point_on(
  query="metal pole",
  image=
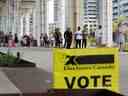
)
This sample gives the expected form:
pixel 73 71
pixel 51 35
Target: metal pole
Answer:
pixel 75 15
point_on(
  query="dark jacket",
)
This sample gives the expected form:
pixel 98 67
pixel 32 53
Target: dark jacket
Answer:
pixel 68 35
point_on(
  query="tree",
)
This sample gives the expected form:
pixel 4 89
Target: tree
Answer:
pixel 85 28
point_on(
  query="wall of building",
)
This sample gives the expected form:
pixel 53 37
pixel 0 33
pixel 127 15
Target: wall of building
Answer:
pixel 91 13
pixel 10 18
pixel 16 15
pixel 120 8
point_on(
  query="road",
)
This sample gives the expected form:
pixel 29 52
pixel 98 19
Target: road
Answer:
pixel 43 58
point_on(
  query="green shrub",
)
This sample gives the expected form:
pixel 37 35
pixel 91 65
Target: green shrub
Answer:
pixel 7 59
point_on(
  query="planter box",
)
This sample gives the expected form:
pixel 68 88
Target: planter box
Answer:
pixel 18 63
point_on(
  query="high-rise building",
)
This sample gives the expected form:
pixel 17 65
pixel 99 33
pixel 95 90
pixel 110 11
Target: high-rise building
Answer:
pixel 120 8
pixel 91 13
pixel 99 12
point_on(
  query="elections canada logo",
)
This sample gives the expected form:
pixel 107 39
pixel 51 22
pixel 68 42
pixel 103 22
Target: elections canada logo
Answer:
pixel 80 62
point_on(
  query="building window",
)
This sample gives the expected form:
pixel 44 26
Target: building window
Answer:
pixel 90 25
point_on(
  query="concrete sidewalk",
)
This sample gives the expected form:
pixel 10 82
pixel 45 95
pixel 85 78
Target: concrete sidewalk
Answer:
pixel 22 81
pixel 6 86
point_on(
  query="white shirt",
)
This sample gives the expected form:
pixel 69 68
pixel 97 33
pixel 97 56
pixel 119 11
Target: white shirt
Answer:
pixel 51 37
pixel 121 38
pixel 78 35
pixel 98 33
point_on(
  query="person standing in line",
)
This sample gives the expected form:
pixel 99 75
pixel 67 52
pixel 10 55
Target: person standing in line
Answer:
pixel 26 40
pixel 31 39
pixel 1 39
pixel 78 38
pixel 121 41
pixel 46 41
pixel 84 34
pixel 65 38
pixel 41 40
pixel 121 37
pixel 10 39
pixel 68 38
pixel 6 40
pixel 58 37
pixel 51 40
pixel 16 40
pixel 99 36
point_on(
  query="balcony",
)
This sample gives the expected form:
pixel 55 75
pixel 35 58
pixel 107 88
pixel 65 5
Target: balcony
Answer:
pixel 123 2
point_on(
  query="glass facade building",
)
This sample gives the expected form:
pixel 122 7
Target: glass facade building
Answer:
pixel 120 8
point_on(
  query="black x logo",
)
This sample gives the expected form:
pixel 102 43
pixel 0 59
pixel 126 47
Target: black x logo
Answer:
pixel 71 60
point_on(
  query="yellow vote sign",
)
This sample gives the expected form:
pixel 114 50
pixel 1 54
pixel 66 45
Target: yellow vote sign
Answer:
pixel 86 68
